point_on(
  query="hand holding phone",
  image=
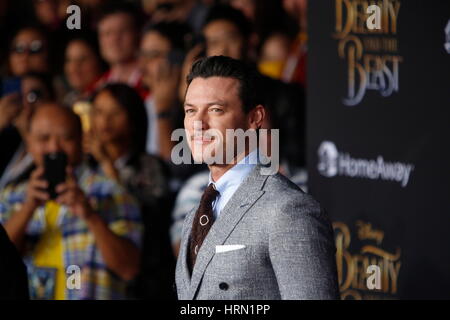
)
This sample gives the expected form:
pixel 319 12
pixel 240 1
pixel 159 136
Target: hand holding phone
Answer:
pixel 70 194
pixel 36 190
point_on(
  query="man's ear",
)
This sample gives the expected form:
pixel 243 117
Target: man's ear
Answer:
pixel 256 117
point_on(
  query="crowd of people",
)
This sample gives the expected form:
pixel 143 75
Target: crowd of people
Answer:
pixel 109 95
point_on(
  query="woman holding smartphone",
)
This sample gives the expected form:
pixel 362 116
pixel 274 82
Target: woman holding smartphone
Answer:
pixel 117 142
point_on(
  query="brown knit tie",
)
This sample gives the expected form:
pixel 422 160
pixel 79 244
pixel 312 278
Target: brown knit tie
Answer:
pixel 203 221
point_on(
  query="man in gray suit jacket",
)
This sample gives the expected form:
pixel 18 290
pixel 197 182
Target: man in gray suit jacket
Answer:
pixel 254 236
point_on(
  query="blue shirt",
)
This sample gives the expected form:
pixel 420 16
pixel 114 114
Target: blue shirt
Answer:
pixel 231 180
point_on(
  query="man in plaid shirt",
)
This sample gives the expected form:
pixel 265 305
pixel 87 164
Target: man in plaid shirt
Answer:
pixel 84 244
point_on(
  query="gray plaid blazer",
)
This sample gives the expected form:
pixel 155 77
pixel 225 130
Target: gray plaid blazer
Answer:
pixel 271 241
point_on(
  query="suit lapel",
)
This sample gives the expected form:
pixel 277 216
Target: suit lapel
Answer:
pixel 185 274
pixel 241 201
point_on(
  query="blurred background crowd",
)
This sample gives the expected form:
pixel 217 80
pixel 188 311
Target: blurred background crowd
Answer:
pixel 123 73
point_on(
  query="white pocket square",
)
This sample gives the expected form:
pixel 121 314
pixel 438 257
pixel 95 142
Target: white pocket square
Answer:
pixel 229 247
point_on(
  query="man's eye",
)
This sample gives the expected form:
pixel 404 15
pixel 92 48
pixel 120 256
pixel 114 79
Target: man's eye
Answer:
pixel 188 110
pixel 216 110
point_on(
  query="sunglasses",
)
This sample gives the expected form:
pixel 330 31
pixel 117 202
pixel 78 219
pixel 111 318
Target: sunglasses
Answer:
pixel 35 47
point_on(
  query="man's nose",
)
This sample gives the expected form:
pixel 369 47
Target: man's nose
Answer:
pixel 200 121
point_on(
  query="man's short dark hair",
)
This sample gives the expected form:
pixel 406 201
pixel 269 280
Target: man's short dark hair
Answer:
pixel 230 14
pixel 226 67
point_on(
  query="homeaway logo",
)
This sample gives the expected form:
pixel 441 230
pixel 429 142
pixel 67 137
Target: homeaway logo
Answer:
pixel 447 37
pixel 335 163
pixel 328 156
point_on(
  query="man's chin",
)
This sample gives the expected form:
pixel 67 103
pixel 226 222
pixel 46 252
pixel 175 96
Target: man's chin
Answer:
pixel 200 158
pixel 207 159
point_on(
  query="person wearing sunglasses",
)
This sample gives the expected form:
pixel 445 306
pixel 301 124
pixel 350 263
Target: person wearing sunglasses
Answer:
pixel 28 52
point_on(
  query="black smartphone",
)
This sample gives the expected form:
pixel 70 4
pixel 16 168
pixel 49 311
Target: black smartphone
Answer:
pixel 54 171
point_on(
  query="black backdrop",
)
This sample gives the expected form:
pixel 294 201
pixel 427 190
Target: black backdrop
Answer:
pixel 363 143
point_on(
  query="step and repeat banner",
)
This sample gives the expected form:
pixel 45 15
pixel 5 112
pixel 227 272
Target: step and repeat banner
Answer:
pixel 379 142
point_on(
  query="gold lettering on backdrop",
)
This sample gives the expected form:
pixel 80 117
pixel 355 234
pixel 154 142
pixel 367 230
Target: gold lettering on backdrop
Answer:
pixel 371 55
pixel 366 232
pixel 352 266
pixel 351 17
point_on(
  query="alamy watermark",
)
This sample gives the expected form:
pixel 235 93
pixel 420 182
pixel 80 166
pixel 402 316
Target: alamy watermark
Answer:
pixel 73 281
pixel 373 22
pixel 373 281
pixel 211 147
pixel 74 20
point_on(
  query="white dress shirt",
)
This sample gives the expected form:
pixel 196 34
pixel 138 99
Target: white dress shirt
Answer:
pixel 231 180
